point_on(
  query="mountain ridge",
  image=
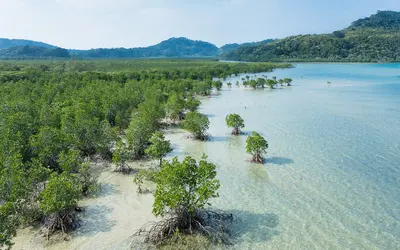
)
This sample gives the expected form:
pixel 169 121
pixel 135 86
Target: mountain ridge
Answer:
pixel 371 39
pixel 6 43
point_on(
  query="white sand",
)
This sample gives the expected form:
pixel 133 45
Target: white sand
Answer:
pixel 108 222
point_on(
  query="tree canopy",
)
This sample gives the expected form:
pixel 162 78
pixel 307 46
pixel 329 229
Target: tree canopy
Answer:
pixel 234 121
pixel 197 124
pixel 257 146
pixel 182 196
pixel 184 186
pixel 159 147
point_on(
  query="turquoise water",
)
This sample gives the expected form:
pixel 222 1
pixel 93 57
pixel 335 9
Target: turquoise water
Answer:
pixel 332 176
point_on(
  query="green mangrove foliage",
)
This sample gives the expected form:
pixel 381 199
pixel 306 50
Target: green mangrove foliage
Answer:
pixel 234 121
pixel 159 147
pixel 256 145
pixel 183 192
pixel 217 85
pixel 272 83
pixel 197 124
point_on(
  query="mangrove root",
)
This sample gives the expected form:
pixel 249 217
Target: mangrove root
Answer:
pixel 61 222
pixel 123 168
pixel 212 224
pixel 257 159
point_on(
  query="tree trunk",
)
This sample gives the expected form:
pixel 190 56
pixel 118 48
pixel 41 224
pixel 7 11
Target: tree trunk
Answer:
pixel 258 158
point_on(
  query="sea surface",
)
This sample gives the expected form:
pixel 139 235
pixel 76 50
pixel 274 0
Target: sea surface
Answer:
pixel 332 174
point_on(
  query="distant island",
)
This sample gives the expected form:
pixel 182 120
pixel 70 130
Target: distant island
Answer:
pixel 372 39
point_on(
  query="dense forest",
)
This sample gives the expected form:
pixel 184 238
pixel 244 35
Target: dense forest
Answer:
pixel 57 115
pixel 371 39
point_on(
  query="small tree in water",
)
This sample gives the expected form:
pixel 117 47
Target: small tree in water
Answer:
pixel 288 81
pixel 236 122
pixel 257 146
pixel 197 124
pixel 159 146
pixel 183 191
pixel 217 85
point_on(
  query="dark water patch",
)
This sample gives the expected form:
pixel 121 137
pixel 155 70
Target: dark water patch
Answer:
pixel 258 227
pixel 219 138
pixel 95 220
pixel 107 189
pixel 279 160
pixel 210 115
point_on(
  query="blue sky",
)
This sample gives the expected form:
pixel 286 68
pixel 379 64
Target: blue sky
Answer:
pixel 84 24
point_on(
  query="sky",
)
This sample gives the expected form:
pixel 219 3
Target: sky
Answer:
pixel 85 24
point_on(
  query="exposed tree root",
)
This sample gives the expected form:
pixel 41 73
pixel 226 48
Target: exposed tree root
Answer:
pixel 257 158
pixel 237 131
pixel 212 224
pixel 204 137
pixel 123 168
pixel 61 222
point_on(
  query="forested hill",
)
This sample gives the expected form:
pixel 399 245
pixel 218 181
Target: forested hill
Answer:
pixel 33 52
pixel 232 46
pixel 372 39
pixel 173 47
pixel 8 43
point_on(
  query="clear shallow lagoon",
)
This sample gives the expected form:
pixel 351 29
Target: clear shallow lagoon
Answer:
pixel 332 177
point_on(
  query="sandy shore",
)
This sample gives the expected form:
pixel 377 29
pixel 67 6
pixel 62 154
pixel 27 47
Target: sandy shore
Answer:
pixel 109 220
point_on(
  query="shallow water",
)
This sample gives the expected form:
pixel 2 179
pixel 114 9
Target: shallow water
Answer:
pixel 332 177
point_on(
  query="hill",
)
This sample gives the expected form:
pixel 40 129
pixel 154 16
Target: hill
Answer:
pixel 33 52
pixel 232 46
pixel 372 39
pixel 8 43
pixel 173 47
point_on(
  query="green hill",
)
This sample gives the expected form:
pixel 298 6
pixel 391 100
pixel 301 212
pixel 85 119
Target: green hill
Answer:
pixel 8 43
pixel 232 46
pixel 372 39
pixel 33 52
pixel 173 47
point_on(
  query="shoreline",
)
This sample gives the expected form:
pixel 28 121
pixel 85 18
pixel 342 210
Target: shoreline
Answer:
pixel 108 221
pixel 111 217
